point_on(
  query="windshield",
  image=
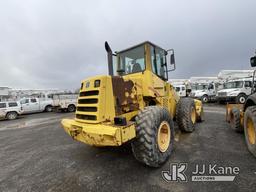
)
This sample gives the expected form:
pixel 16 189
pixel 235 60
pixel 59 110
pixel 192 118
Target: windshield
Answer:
pixel 234 84
pixel 130 61
pixel 177 89
pixel 199 86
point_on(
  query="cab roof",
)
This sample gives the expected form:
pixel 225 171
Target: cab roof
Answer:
pixel 143 43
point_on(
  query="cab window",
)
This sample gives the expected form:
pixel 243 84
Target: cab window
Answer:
pixel 131 61
pixel 24 101
pixel 12 104
pixel 2 105
pixel 158 62
pixel 248 84
pixel 177 89
pixel 33 100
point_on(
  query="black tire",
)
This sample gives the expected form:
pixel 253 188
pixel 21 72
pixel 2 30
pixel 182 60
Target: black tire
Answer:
pixel 145 146
pixel 241 98
pixel 235 120
pixel 184 109
pixel 71 108
pixel 205 99
pixel 250 116
pixel 48 108
pixel 201 117
pixel 12 115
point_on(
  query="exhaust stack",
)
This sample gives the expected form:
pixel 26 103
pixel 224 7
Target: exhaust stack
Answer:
pixel 110 58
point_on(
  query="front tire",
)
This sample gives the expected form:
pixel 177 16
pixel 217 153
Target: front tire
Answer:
pixel 205 99
pixel 186 114
pixel 154 136
pixel 250 129
pixel 241 98
pixel 12 115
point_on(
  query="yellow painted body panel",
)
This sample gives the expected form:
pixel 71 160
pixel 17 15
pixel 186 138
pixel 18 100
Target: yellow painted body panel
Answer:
pixel 99 134
pixel 97 107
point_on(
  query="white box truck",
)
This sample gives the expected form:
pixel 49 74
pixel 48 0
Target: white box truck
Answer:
pixel 237 85
pixel 204 88
pixel 65 102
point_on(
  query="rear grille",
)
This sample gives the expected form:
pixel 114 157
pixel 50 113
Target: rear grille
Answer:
pixel 86 117
pixel 89 93
pixel 87 105
pixel 87 109
pixel 87 101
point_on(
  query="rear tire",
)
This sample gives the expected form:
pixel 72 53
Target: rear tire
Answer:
pixel 12 115
pixel 71 108
pixel 48 108
pixel 235 120
pixel 186 114
pixel 250 129
pixel 154 136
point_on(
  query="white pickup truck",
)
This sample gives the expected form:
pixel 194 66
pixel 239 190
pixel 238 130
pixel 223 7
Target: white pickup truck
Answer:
pixel 34 105
pixel 65 102
pixel 10 110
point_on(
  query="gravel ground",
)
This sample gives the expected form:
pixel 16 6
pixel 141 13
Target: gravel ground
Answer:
pixel 37 155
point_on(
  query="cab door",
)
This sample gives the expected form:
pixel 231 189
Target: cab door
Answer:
pixel 34 105
pixel 25 105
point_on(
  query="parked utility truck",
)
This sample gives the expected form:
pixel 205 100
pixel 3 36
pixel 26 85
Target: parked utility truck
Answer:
pixel 34 105
pixel 182 86
pixel 237 85
pixel 204 88
pixel 242 117
pixel 134 104
pixel 65 102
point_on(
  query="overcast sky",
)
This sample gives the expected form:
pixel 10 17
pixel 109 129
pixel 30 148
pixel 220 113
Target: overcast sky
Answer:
pixel 57 43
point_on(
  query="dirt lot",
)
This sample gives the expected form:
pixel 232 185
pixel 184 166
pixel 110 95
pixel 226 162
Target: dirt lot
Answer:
pixel 37 155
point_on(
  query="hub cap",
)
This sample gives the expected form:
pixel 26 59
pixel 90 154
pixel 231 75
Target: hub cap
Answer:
pixel 163 136
pixel 250 131
pixel 242 99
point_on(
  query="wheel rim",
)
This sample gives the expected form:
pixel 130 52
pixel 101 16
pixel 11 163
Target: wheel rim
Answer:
pixel 12 116
pixel 193 115
pixel 205 99
pixel 163 136
pixel 241 99
pixel 250 131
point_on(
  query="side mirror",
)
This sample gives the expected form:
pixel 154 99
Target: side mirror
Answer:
pixel 172 60
pixel 253 61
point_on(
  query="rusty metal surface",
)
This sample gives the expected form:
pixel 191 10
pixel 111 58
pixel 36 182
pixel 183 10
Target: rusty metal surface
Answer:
pixel 125 93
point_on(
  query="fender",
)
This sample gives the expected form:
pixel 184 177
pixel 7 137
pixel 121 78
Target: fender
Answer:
pixel 251 100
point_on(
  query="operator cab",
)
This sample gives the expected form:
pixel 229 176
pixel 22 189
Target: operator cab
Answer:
pixel 253 64
pixel 137 59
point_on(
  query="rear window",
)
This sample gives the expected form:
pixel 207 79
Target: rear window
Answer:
pixel 12 104
pixel 2 105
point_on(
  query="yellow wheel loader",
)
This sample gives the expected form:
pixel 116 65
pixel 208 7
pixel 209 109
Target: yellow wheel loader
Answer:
pixel 242 117
pixel 135 104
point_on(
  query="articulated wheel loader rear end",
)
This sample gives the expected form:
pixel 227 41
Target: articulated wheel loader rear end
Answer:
pixel 242 117
pixel 135 104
